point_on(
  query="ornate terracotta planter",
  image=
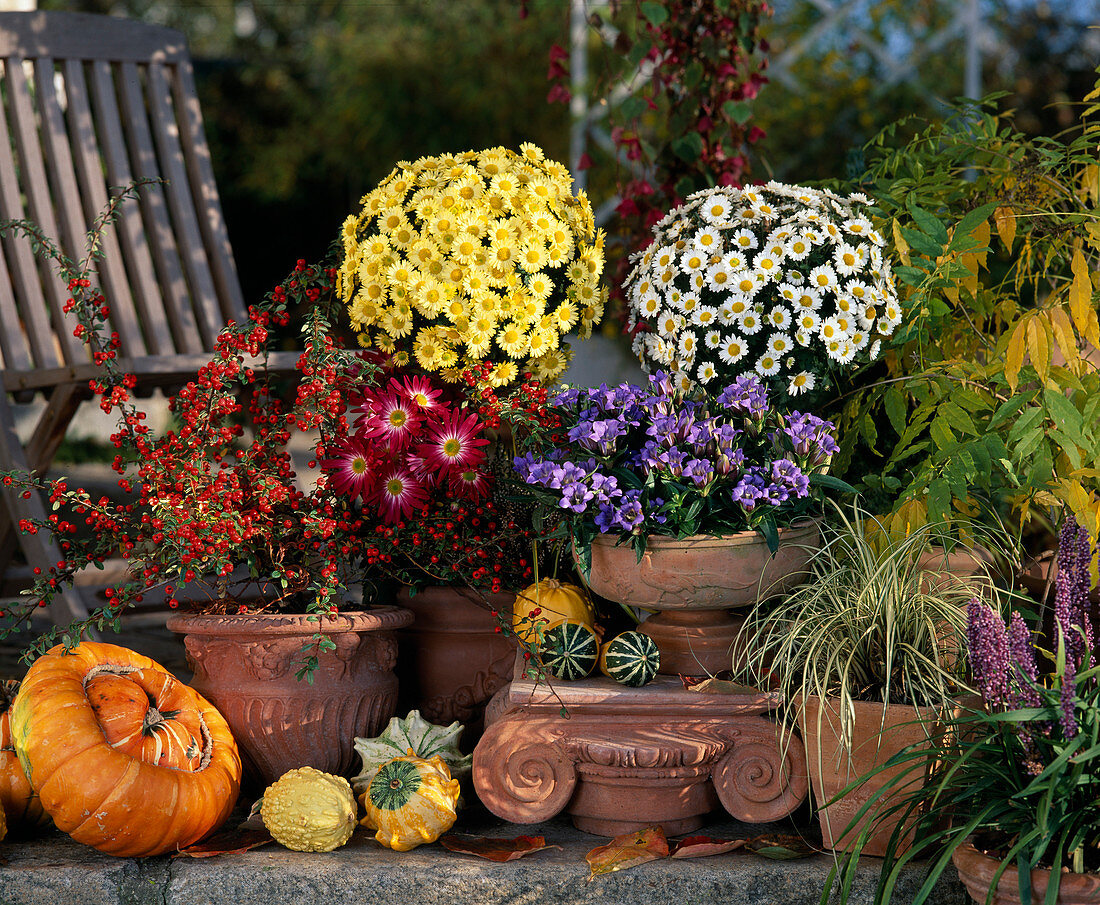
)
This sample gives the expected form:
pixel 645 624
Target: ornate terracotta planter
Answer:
pixel 875 739
pixel 451 659
pixel 246 666
pixel 694 582
pixel 976 870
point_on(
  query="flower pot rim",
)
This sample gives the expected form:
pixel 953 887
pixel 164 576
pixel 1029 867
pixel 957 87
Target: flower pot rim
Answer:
pixel 383 618
pixel 793 532
pixel 1072 888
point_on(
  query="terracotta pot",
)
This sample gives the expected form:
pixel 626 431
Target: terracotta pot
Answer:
pixel 875 739
pixel 451 659
pixel 694 581
pixel 246 665
pixel 976 870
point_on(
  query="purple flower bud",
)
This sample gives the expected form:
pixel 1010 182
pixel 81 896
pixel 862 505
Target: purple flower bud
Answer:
pixel 987 646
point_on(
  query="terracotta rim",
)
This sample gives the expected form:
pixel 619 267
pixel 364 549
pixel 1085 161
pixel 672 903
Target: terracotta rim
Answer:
pixel 791 535
pixel 976 869
pixel 383 618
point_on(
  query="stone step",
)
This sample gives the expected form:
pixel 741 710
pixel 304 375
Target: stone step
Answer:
pixel 54 870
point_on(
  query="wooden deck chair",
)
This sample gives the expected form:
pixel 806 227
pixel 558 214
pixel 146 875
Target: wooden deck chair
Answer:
pixel 92 102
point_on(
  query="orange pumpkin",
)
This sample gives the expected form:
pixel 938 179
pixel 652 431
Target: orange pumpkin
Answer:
pixel 20 804
pixel 124 757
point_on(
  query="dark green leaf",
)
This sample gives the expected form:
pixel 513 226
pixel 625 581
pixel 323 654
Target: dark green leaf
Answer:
pixel 832 482
pixel 921 243
pixel 655 12
pixel 894 403
pixel 688 147
pixel 739 111
pixel 928 224
pixel 633 107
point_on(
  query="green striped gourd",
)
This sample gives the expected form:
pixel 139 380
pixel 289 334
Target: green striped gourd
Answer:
pixel 630 659
pixel 570 650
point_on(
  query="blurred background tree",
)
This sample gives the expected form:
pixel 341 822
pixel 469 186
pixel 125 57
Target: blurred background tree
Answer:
pixel 309 103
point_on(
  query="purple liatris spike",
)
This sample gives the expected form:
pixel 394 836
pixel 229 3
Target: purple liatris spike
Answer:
pixel 987 646
pixel 1071 600
pixel 1068 697
pixel 1025 671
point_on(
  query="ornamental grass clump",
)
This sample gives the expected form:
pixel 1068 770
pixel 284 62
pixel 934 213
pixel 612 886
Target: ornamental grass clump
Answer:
pixel 786 282
pixel 639 461
pixel 1018 776
pixel 475 257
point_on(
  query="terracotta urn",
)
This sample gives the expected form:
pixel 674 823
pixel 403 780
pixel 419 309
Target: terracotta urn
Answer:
pixel 976 870
pixel 693 582
pixel 876 737
pixel 246 666
pixel 451 659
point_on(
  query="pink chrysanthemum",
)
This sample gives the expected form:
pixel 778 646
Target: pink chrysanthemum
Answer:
pixel 453 443
pixel 472 484
pixel 395 421
pixel 419 391
pixel 350 468
pixel 400 494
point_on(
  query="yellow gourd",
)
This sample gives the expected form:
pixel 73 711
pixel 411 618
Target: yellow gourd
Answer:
pixel 556 601
pixel 410 801
pixel 309 811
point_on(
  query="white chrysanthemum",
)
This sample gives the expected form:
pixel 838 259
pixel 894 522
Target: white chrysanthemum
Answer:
pixel 733 350
pixel 831 330
pixel 706 373
pixel 764 211
pixel 698 281
pixel 779 317
pixel 845 304
pixel 876 347
pixel 707 240
pixel 876 238
pixel 712 339
pixel 846 258
pixel 692 261
pixel 704 316
pixel 798 247
pixel 670 323
pixel 846 354
pixel 857 226
pixel 684 383
pixel 823 277
pixel 744 239
pixel 689 302
pixel 788 292
pixel 858 198
pixel 779 344
pixel 751 322
pixel 832 349
pixel 891 313
pixel 650 305
pixel 803 338
pixel 664 258
pixel 746 284
pixel 688 345
pixel 665 277
pixel 745 215
pixel 802 382
pixel 858 290
pixel 832 230
pixel 808 298
pixel 807 321
pixel 674 297
pixel 734 260
pixel 767 365
pixel 767 265
pixel 719 277
pixel 716 209
pixel 859 339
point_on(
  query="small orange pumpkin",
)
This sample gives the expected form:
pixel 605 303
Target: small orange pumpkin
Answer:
pixel 20 804
pixel 124 757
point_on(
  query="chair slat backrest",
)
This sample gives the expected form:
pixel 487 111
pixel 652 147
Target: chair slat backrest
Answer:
pixel 91 103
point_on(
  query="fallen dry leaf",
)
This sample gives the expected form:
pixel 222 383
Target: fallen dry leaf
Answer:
pixel 229 842
pixel 716 686
pixel 494 849
pixel 628 850
pixel 701 846
pixel 780 847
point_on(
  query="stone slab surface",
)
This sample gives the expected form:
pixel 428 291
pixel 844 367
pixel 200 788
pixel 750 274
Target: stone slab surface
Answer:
pixel 53 870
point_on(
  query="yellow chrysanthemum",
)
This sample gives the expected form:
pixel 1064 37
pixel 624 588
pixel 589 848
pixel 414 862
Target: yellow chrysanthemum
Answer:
pixel 503 374
pixel 512 340
pixel 566 316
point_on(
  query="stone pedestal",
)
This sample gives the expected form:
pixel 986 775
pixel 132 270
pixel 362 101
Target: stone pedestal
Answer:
pixel 619 759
